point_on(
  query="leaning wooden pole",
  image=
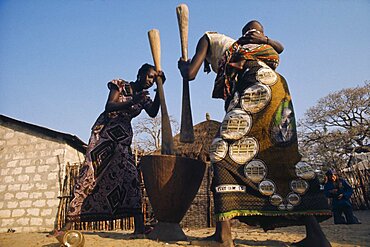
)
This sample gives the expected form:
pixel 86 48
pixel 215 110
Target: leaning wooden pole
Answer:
pixel 167 139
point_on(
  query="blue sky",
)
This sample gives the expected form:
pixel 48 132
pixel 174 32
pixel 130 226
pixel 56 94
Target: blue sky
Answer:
pixel 56 56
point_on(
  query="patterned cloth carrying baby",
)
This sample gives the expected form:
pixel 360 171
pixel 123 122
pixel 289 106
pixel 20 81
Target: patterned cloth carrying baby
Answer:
pixel 234 60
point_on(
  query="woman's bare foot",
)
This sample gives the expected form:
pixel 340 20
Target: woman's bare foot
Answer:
pixel 58 234
pixel 221 237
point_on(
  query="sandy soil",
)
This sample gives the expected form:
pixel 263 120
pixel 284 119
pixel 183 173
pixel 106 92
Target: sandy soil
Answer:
pixel 338 235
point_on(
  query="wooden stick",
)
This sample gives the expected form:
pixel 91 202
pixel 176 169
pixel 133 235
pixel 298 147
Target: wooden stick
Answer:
pixel 186 131
pixel 167 139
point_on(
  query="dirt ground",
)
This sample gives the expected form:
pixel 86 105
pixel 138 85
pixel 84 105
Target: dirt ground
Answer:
pixel 338 235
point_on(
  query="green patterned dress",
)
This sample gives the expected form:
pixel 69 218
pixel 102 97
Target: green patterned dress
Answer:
pixel 259 177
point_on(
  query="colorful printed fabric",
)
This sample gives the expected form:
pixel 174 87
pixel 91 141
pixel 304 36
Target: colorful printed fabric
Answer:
pixel 238 54
pixel 108 185
pixel 259 177
pixel 263 52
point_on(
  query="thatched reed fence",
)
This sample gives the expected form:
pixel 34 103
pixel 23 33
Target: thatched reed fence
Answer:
pixel 359 178
pixel 65 194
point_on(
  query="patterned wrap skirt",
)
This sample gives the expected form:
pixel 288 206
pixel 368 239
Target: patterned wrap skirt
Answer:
pixel 259 177
pixel 108 186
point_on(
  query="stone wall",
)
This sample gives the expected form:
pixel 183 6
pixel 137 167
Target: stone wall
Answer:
pixel 31 170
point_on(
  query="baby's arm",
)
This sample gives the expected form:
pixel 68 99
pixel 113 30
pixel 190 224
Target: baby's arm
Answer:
pixel 259 38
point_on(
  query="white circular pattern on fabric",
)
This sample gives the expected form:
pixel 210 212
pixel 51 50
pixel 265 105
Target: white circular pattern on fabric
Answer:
pixel 289 206
pixel 304 170
pixel 255 98
pixel 293 199
pixel 255 170
pixel 267 187
pixel 299 186
pixel 235 125
pixel 282 206
pixel 218 150
pixel 276 199
pixel 243 150
pixel 234 102
pixel 267 76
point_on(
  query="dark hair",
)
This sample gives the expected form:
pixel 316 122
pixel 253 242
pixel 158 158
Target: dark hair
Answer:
pixel 245 28
pixel 330 172
pixel 144 69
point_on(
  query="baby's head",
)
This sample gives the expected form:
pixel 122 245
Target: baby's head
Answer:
pixel 251 26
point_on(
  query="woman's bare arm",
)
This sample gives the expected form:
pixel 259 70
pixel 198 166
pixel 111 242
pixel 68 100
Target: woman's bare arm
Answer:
pixel 189 70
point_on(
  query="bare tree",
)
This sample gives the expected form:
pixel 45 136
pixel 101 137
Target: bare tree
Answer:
pixel 147 132
pixel 336 127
